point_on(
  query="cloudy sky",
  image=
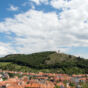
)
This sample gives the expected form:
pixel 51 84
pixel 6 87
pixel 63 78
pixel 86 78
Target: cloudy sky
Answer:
pixel 28 26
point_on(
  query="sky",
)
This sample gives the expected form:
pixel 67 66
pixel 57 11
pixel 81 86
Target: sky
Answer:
pixel 29 26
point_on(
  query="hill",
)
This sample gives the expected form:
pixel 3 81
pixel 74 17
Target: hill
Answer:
pixel 49 61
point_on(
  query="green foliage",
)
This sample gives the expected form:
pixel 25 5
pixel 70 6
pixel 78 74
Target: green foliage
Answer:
pixel 57 86
pixel 85 85
pixel 45 62
pixel 32 60
pixel 72 84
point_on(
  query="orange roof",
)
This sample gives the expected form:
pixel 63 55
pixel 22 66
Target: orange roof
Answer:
pixel 60 84
pixel 14 86
pixel 82 79
pixel 38 84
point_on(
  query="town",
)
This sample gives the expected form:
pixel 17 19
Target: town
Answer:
pixel 13 79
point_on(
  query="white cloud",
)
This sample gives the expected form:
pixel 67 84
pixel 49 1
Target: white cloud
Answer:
pixel 38 2
pixel 6 49
pixel 59 4
pixel 43 31
pixel 13 8
pixel 39 31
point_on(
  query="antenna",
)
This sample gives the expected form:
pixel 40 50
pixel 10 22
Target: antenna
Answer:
pixel 58 51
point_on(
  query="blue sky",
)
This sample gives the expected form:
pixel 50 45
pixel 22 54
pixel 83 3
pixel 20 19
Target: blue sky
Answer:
pixel 5 4
pixel 28 26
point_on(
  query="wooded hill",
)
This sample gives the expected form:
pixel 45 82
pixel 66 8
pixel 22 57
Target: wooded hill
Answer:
pixel 49 61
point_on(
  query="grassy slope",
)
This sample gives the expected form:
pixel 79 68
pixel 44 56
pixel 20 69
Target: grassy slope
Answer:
pixel 59 58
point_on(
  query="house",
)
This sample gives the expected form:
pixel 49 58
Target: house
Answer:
pixel 61 85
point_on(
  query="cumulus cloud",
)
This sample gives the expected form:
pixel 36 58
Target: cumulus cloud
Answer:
pixel 38 31
pixel 13 8
pixel 6 49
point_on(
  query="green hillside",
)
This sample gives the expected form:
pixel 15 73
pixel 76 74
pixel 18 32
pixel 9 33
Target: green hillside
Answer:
pixel 45 61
